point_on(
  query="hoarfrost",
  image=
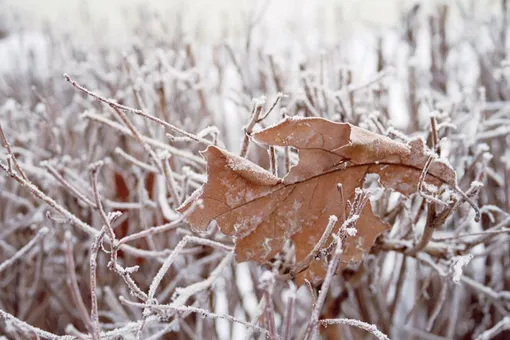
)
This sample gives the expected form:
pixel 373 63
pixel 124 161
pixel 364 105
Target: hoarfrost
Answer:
pixel 457 265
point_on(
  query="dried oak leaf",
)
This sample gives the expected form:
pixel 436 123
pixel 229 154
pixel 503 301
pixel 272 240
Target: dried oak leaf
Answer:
pixel 263 211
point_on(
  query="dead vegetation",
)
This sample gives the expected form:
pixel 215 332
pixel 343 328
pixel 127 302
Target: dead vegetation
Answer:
pixel 93 244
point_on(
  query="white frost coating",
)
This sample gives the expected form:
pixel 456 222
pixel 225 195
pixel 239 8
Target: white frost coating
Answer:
pixel 477 184
pixel 458 263
pixel 435 114
pixel 241 164
pixel 482 147
pixel 349 222
pixel 267 247
pixel 267 278
pixel 234 198
pixel 351 231
pixel 244 226
pixel 261 101
pixel 444 161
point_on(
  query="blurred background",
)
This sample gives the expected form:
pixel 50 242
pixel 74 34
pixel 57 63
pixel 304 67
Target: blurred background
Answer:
pixel 299 29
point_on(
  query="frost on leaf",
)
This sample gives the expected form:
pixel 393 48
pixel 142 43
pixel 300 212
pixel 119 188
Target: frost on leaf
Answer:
pixel 263 211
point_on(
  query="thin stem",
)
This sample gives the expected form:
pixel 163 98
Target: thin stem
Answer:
pixel 94 171
pixel 356 323
pixel 317 247
pixel 196 310
pixel 94 315
pixel 160 229
pixel 170 259
pixel 491 333
pixel 135 111
pixel 156 143
pixel 138 136
pixel 72 282
pixel 31 329
pixel 7 146
pixel 68 185
pixel 273 164
pixel 332 267
pixel 289 314
pixel 254 117
pixel 277 100
pixel 23 251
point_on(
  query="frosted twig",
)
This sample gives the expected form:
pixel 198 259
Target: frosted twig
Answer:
pixel 169 179
pixel 437 307
pixel 316 248
pixel 273 164
pixel 277 100
pixel 158 229
pixel 170 259
pixel 28 328
pixel 482 233
pixel 266 282
pixel 466 197
pixel 421 183
pixel 177 139
pixel 254 117
pixel 275 73
pixel 156 143
pixel 138 163
pixel 68 185
pixel 94 171
pixel 501 326
pixel 135 111
pixel 332 267
pixel 20 253
pixel 48 200
pixel 169 288
pixel 378 77
pixel 435 137
pixel 72 282
pixel 289 314
pixel 310 107
pixel 198 311
pixel 356 323
pixel 12 158
pixel 340 189
pixel 398 287
pixel 138 136
pixel 238 68
pixel 355 209
pixel 489 233
pixel 185 293
pixel 94 316
pixel 433 221
pixel 489 292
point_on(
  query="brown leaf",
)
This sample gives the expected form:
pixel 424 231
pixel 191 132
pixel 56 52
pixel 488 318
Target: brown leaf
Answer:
pixel 263 211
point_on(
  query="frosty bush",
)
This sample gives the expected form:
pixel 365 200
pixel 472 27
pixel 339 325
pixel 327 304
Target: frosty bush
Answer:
pixel 96 163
